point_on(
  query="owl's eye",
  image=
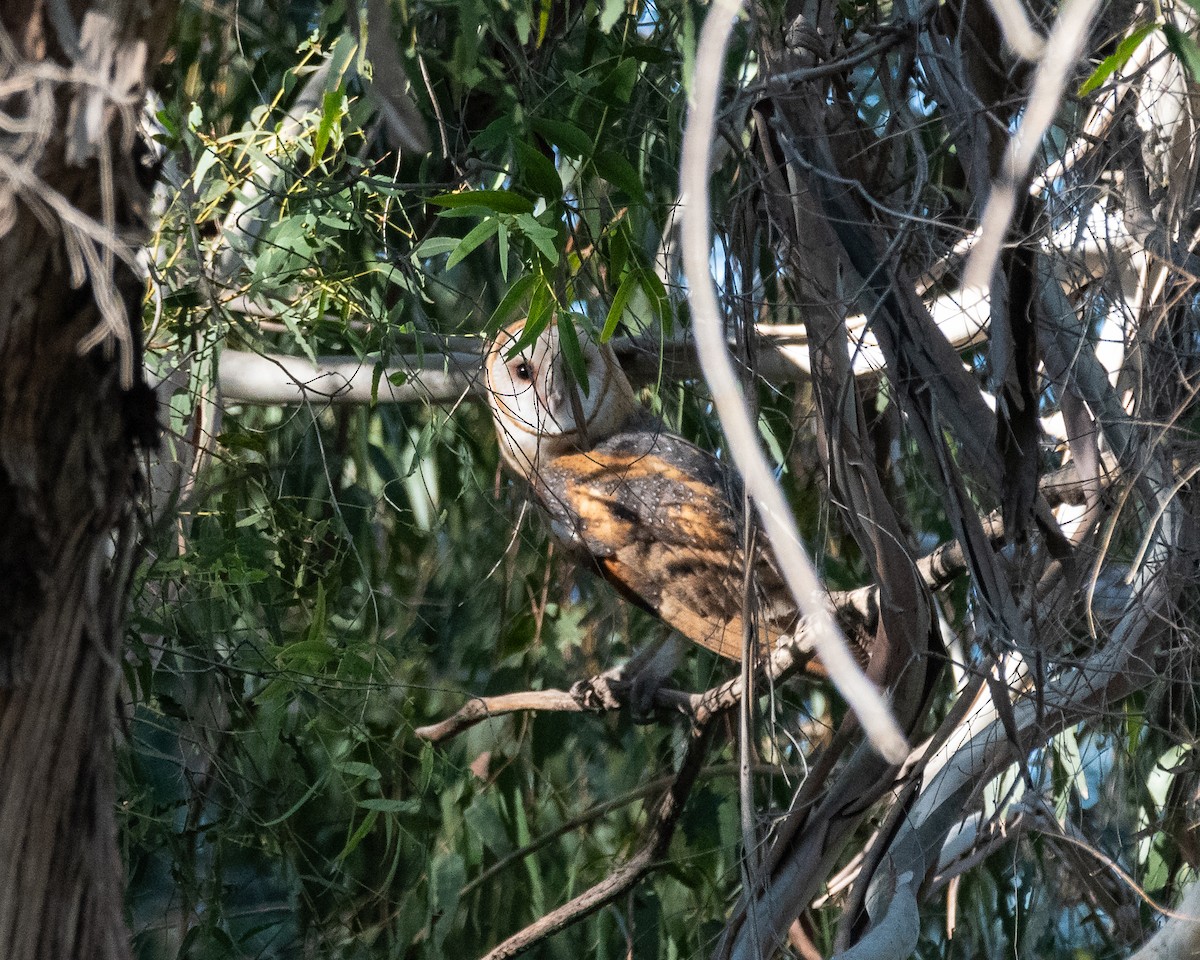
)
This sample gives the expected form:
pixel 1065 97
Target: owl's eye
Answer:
pixel 523 371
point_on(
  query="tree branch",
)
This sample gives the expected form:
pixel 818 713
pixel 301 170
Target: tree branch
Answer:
pixel 862 697
pixel 662 828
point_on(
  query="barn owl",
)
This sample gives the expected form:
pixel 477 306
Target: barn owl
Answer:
pixel 659 518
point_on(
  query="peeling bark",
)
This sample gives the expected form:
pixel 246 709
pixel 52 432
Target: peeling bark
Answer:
pixel 73 409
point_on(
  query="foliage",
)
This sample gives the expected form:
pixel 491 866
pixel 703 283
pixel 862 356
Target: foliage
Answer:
pixel 340 576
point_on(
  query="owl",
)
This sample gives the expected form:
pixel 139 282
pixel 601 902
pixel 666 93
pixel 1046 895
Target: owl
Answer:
pixel 656 516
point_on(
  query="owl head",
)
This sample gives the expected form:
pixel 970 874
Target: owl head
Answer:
pixel 531 391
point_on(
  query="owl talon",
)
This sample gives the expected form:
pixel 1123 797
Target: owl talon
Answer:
pixel 597 693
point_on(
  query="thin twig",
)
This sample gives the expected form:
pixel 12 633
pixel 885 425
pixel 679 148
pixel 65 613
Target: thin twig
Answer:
pixel 662 828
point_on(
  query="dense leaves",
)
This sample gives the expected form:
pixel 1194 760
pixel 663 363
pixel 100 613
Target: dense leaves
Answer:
pixel 322 580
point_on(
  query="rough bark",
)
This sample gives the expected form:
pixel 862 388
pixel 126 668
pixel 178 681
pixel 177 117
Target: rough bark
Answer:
pixel 73 409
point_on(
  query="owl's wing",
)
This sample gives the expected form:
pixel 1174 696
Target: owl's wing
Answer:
pixel 658 517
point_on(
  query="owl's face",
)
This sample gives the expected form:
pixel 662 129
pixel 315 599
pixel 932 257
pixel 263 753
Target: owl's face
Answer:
pixel 531 397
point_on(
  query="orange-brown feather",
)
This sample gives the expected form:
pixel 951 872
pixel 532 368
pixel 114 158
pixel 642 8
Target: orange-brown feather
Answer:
pixel 665 535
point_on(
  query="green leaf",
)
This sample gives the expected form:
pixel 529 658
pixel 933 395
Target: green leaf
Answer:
pixel 1184 47
pixel 617 87
pixel 566 136
pixel 204 163
pixel 618 250
pixel 508 303
pixel 436 246
pixel 331 111
pixel 480 234
pixel 384 805
pixel 618 171
pixel 447 874
pixel 538 172
pixel 568 339
pixel 541 310
pixel 341 55
pixel 540 235
pixel 319 615
pixel 357 836
pixel 308 795
pixel 1111 64
pixel 313 653
pixel 630 282
pixel 485 822
pixel 499 201
pixel 502 251
pixel 353 768
pixel 656 293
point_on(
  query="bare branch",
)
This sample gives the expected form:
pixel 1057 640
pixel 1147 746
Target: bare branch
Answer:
pixel 780 526
pixel 1179 936
pixel 662 828
pixel 1063 47
pixel 278 379
pixel 1018 31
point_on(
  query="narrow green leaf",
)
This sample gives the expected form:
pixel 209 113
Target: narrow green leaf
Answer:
pixel 500 201
pixel 203 164
pixel 502 250
pixel 656 293
pixel 446 876
pixel 312 652
pixel 620 301
pixel 617 87
pixel 341 55
pixel 568 339
pixel 509 302
pixel 618 250
pixel 316 629
pixel 620 173
pixel 538 172
pixel 1184 47
pixel 331 111
pixel 376 376
pixel 308 795
pixel 541 311
pixel 1111 64
pixel 357 836
pixel 353 768
pixel 542 236
pixel 566 136
pixel 384 805
pixel 478 235
pixel 435 246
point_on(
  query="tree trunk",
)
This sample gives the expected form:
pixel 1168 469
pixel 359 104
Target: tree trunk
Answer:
pixel 73 407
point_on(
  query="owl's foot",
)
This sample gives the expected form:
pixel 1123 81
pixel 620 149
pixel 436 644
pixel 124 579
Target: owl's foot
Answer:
pixel 636 683
pixel 604 692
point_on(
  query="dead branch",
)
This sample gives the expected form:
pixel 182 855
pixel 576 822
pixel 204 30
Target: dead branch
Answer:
pixel 662 828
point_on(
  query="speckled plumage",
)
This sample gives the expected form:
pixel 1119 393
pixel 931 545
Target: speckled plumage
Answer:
pixel 658 517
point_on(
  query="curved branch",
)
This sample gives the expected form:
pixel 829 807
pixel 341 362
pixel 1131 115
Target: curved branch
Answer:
pixel 874 714
pixel 1062 50
pixel 981 749
pixel 662 828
